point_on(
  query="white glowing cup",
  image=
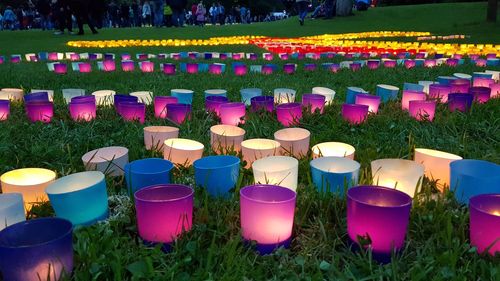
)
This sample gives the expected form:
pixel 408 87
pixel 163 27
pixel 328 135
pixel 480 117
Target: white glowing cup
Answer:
pixel 30 182
pixel 294 141
pixel 49 92
pixel 338 149
pixel 403 175
pixel 436 164
pixel 104 97
pixel 155 136
pixel 277 170
pixel 143 96
pixel 68 94
pixel 328 93
pixel 12 94
pixel 254 149
pixel 11 209
pixel 108 160
pixel 284 95
pixel 226 138
pixel 182 152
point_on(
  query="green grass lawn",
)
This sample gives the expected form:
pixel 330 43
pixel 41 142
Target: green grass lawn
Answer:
pixel 437 245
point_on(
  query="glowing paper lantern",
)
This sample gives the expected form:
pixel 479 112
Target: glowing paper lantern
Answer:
pixel 120 99
pixel 436 164
pixel 12 94
pixel 84 67
pixel 377 218
pixel 192 68
pixel 422 109
pixel 495 90
pixel 168 68
pixel 216 68
pixel 215 92
pixel 30 182
pixel 413 87
pixel 267 69
pixel 155 136
pixel 60 68
pixel 355 66
pixel 480 62
pixel 373 102
pixel 84 110
pixel 128 65
pixel 289 113
pixel 104 97
pixel 480 94
pixel 11 209
pixel 35 249
pixel 390 63
pixel 17 59
pixel 313 102
pixel 164 212
pixel 42 111
pixel 131 111
pixel 470 177
pixel 328 93
pixel 265 103
pixel 409 95
pixel 387 92
pixel 240 69
pixel 225 139
pixel 68 94
pixel 279 170
pixel 266 214
pixel 351 94
pixel 439 92
pixel 334 174
pixel 409 64
pixel 354 113
pixel 182 151
pixel 213 103
pixel 283 95
pixel 254 149
pixel 147 66
pixel 109 65
pixel 144 97
pixel 147 172
pixel 232 113
pixel 293 141
pixel 485 223
pixel 459 86
pixel 108 160
pixel 160 104
pixel 289 68
pixel 429 63
pixel 461 102
pixel 404 175
pixel 4 109
pixel 36 97
pixel 80 198
pixel 217 174
pixel 182 95
pixel 426 85
pixel 337 149
pixel 310 67
pixel 268 56
pixel 249 93
pixel 179 112
pixel 373 64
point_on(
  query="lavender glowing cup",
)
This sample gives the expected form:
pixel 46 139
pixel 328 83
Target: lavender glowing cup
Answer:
pixel 485 223
pixel 314 102
pixel 354 113
pixel 289 113
pixel 232 113
pixel 409 95
pixel 377 219
pixel 36 97
pixel 461 102
pixel 439 92
pixel 178 112
pixel 4 109
pixel 372 101
pixel 480 94
pixel 40 111
pixel 265 103
pixel 133 111
pixel 422 109
pixel 160 104
pixel 267 214
pixel 213 103
pixel 82 110
pixel 459 86
pixel 164 212
pixel 128 65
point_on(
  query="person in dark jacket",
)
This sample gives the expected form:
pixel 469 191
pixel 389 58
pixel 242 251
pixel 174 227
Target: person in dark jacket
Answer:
pixel 43 8
pixel 63 15
pixel 177 11
pixel 81 11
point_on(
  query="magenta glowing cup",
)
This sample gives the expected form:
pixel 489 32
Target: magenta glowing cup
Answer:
pixel 268 56
pixel 169 68
pixel 334 67
pixel 377 219
pixel 192 68
pixel 252 56
pixel 390 63
pixel 300 56
pixel 40 111
pixel 452 62
pixel 314 102
pixel 236 56
pixel 440 92
pixel 409 64
pixel 348 55
pixel 289 113
pixel 147 66
pixel 109 65
pixel 126 56
pixel 265 103
pixel 482 82
pixel 215 68
pixel 310 67
pixel 491 56
pixel 355 66
pixel 53 56
pixel 133 111
pixel 240 69
pixel 164 212
pixel 495 90
pixel 160 104
pixel 266 215
pixel 372 64
pixel 422 109
pixel 232 113
pixel 267 69
pixel 82 111
pixel 409 95
pixel 484 219
pixel 15 59
pixel 481 62
pixel 372 101
pixel 460 102
pixel 213 103
pixel 128 65
pixel 4 109
pixel 457 56
pixel 222 56
pixel 480 94
pixel 384 55
pixel 284 56
pixel 84 67
pixel 289 68
pixel 74 57
pixel 178 112
pixel 354 113
pixel 142 56
pixel 430 63
pixel 192 55
pixel 459 86
pixel 60 68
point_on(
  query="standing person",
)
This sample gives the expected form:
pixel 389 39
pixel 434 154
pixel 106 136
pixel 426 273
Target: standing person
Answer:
pixel 146 13
pixel 63 11
pixel 80 9
pixel 113 11
pixel 193 13
pixel 159 5
pixel 178 11
pixel 302 6
pixel 200 14
pixel 43 8
pixel 124 15
pixel 213 13
pixel 97 9
pixel 136 10
pixel 221 13
pixel 243 14
pixel 167 14
pixel 9 18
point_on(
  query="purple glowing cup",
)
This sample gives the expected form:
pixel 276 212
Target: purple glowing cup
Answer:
pixel 83 99
pixel 53 56
pixel 334 67
pixel 252 56
pixel 265 103
pixel 482 82
pixel 481 62
pixel 74 57
pixel 4 109
pixel 267 214
pixel 314 102
pixel 147 66
pixel 232 113
pixel 430 63
pixel 118 99
pixel 160 103
pixel 480 94
pixel 82 111
pixel 286 56
pixel 164 212
pixel 215 68
pixel 310 67
pixel 409 95
pixel 60 68
pixel 36 97
pixel 485 223
pixel 372 64
pixel 377 218
pixel 178 112
pixel 491 56
pixel 213 103
pixel 373 102
pixel 222 56
pixel 495 90
pixel 240 69
pixel 128 65
pixel 133 111
pixel 191 68
pixel 452 62
pixel 236 56
pixel 40 111
pixel 267 69
pixel 289 113
pixel 109 65
pixel 459 86
pixel 422 109
pixel 126 56
pixel 440 92
pixel 355 66
pixel 409 64
pixel 84 67
pixel 289 68
pixel 460 102
pixel 354 113
pixel 390 63
pixel 268 56
pixel 169 68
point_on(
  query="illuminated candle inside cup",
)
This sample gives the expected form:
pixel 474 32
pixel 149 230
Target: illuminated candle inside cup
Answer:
pixel 422 109
pixel 225 139
pixel 480 94
pixel 284 95
pixel 60 68
pixel 128 65
pixel 469 177
pixel 351 94
pixel 429 63
pixel 289 68
pixel 74 57
pixel 240 69
pixel 495 90
pixel 104 97
pixel 213 103
pixel 11 209
pixel 30 182
pixel 459 86
pixel 266 215
pixel 80 198
pixel 484 219
pixel 452 62
pixel 147 172
pixel 53 56
pixel 482 82
pixel 372 101
pixel 249 93
pixel 160 104
pixel 373 64
pixel 168 68
pixel 4 109
pixel 436 164
pixel 145 97
pixel 293 141
pixel 15 59
pixel 314 102
pixel 279 170
pixel 84 67
pixel 390 63
pixel 133 111
pixel 38 249
pixel 182 95
pixel 404 175
pixel 328 93
pixel 268 56
pixel 310 67
pixel 354 113
pixel 334 174
pixel 192 68
pixel 164 212
pixel 337 149
pixel 409 64
pixel 179 112
pixel 289 113
pixel 12 94
pixel 334 68
pixel 217 174
pixel 215 68
pixel 440 92
pixel 265 103
pixel 377 219
pixel 480 62
pixel 355 66
pixel 461 102
pixel 284 56
pixel 42 111
pixel 108 160
pixel 147 66
pixel 182 152
pixel 254 149
pixel 232 113
pixel 109 65
pixel 155 136
pixel 84 110
pixel 411 96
